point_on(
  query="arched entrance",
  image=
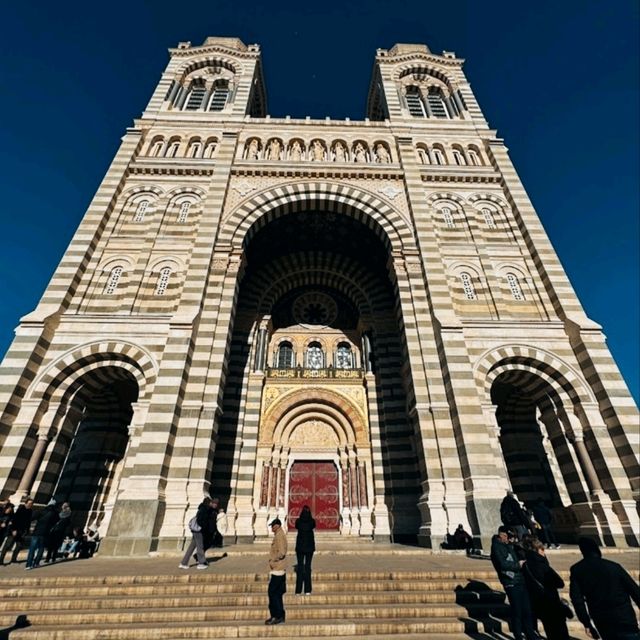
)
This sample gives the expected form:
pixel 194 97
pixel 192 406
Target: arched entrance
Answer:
pixel 84 460
pixel 317 312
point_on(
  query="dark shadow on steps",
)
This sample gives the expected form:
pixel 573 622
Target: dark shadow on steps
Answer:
pixel 21 623
pixel 487 610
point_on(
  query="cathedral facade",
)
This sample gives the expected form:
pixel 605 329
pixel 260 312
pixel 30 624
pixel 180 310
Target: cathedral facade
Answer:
pixel 363 316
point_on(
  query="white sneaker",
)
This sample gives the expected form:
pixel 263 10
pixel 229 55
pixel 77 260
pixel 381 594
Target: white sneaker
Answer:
pixel 202 566
pixel 183 566
pixel 307 594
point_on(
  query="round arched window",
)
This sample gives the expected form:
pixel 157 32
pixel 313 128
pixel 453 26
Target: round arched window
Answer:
pixel 315 356
pixel 344 356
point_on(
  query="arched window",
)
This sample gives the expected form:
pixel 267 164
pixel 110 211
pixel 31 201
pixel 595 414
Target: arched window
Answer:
pixel 194 149
pixel 195 97
pixel 423 155
pixel 436 103
pixel 447 216
pixel 156 149
pixel 172 149
pixel 438 156
pixel 488 218
pixel 473 157
pixel 514 286
pixel 458 157
pixel 209 150
pixel 184 211
pixel 414 103
pixel 163 281
pixel 219 98
pixel 344 356
pixel 114 279
pixel 467 286
pixel 315 356
pixel 284 356
pixel 141 210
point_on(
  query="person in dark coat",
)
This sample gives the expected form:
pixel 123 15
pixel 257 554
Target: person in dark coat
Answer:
pixel 543 515
pixel 542 586
pixel 210 534
pixel 6 516
pixel 45 522
pixel 18 529
pixel 305 547
pixel 58 533
pixel 607 589
pixel 199 529
pixel 508 567
pixel 513 516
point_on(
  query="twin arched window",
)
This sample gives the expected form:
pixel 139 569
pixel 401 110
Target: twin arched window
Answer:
pixel 198 94
pixel 433 104
pixel 488 218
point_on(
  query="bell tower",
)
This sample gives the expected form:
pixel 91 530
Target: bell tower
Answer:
pixel 409 83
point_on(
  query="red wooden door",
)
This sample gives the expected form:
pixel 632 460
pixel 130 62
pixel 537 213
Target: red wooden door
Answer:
pixel 315 484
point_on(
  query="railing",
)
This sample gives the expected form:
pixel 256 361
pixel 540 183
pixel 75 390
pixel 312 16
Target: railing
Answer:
pixel 302 372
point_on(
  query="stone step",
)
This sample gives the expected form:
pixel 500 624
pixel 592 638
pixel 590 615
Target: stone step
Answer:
pixel 17 604
pixel 327 628
pixel 37 578
pixel 226 615
pixel 319 587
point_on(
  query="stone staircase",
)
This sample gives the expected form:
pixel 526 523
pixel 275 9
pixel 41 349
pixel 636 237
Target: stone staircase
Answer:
pixel 349 604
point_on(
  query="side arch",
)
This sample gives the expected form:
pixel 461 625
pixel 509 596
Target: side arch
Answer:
pixel 544 364
pixel 64 373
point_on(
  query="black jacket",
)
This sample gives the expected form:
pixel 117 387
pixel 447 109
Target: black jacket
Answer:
pixel 607 589
pixel 46 520
pixel 203 518
pixel 505 562
pixel 542 584
pixel 542 514
pixel 305 541
pixel 21 519
pixel 512 513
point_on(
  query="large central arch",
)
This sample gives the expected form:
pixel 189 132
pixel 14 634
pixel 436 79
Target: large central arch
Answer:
pixel 337 241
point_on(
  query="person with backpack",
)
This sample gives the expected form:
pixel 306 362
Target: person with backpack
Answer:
pixel 199 526
pixel 513 516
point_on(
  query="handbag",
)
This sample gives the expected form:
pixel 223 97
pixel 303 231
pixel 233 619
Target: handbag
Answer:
pixel 563 603
pixel 194 527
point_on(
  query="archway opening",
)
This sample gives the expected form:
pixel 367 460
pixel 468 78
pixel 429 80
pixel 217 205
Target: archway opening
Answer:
pixel 317 285
pixel 84 465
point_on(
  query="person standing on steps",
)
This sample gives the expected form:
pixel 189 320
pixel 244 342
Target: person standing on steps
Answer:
pixel 508 567
pixel 199 527
pixel 305 546
pixel 607 589
pixel 19 526
pixel 45 522
pixel 277 573
pixel 542 584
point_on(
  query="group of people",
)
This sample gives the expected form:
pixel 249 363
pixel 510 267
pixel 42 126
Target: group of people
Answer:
pixel 601 591
pixel 50 531
pixel 535 520
pixel 207 527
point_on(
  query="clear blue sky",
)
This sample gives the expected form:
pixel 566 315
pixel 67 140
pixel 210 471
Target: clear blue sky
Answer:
pixel 558 80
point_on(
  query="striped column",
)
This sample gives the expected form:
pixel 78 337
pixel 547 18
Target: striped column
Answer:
pixel 474 478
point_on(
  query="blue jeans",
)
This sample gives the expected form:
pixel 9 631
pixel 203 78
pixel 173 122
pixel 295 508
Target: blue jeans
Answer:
pixel 36 549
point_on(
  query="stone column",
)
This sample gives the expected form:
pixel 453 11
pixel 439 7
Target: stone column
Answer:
pixel 380 511
pixel 543 419
pixel 33 466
